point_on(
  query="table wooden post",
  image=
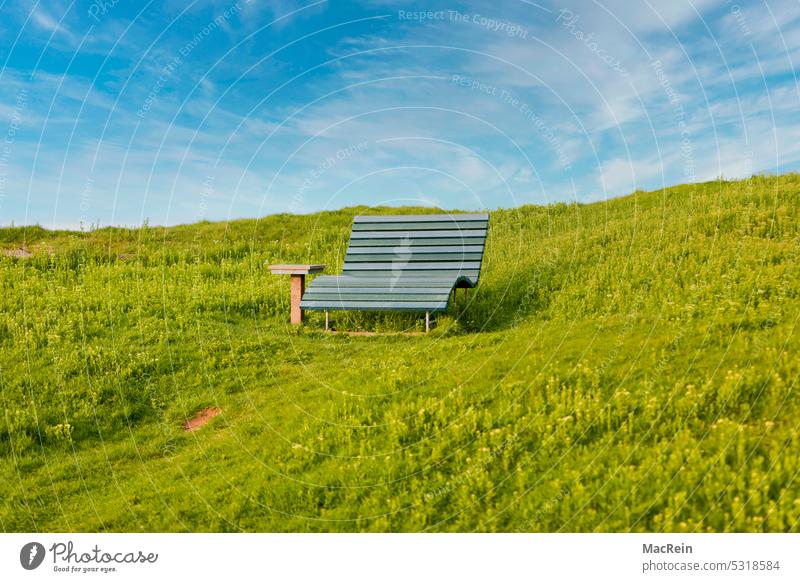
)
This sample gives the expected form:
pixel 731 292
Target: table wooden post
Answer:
pixel 298 285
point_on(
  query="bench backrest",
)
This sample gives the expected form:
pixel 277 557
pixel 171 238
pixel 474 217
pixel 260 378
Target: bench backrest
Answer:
pixel 427 245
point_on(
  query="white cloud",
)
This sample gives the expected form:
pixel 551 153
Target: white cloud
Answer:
pixel 42 19
pixel 623 176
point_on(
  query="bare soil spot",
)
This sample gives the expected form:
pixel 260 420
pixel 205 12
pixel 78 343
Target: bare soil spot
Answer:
pixel 201 418
pixel 20 253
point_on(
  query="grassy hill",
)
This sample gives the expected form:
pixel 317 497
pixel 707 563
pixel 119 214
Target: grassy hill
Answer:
pixel 629 365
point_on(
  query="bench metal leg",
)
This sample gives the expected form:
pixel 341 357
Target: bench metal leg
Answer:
pixel 427 321
pixel 326 320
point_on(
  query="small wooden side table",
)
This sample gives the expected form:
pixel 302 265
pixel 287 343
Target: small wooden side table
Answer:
pixel 298 273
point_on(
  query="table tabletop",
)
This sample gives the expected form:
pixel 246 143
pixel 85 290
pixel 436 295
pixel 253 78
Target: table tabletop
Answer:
pixel 296 269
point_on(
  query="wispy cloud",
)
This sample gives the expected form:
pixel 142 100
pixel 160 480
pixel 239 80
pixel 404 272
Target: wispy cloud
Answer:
pixel 44 20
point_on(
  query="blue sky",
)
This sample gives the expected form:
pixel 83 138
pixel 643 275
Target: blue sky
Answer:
pixel 116 112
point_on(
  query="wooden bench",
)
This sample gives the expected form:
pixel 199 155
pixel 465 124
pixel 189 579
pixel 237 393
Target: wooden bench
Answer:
pixel 403 263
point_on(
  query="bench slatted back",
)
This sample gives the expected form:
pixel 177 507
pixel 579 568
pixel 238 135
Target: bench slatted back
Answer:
pixel 418 247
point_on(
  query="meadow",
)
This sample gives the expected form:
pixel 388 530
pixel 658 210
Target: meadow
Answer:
pixel 626 365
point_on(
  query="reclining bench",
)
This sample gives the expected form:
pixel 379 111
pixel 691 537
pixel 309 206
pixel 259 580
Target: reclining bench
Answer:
pixel 403 263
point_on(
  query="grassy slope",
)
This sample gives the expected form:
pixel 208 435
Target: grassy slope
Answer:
pixel 628 365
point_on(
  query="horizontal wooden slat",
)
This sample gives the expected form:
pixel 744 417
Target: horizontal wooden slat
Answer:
pixel 403 258
pixel 412 234
pixel 387 226
pixel 427 280
pixel 420 217
pixel 325 290
pixel 470 276
pixel 429 266
pixel 311 296
pixel 389 274
pixel 420 249
pixel 431 306
pixel 417 242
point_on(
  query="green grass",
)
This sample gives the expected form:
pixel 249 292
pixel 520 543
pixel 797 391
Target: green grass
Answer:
pixel 629 365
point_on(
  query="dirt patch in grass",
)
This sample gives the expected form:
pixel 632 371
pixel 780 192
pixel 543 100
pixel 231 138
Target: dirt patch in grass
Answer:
pixel 20 253
pixel 201 418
